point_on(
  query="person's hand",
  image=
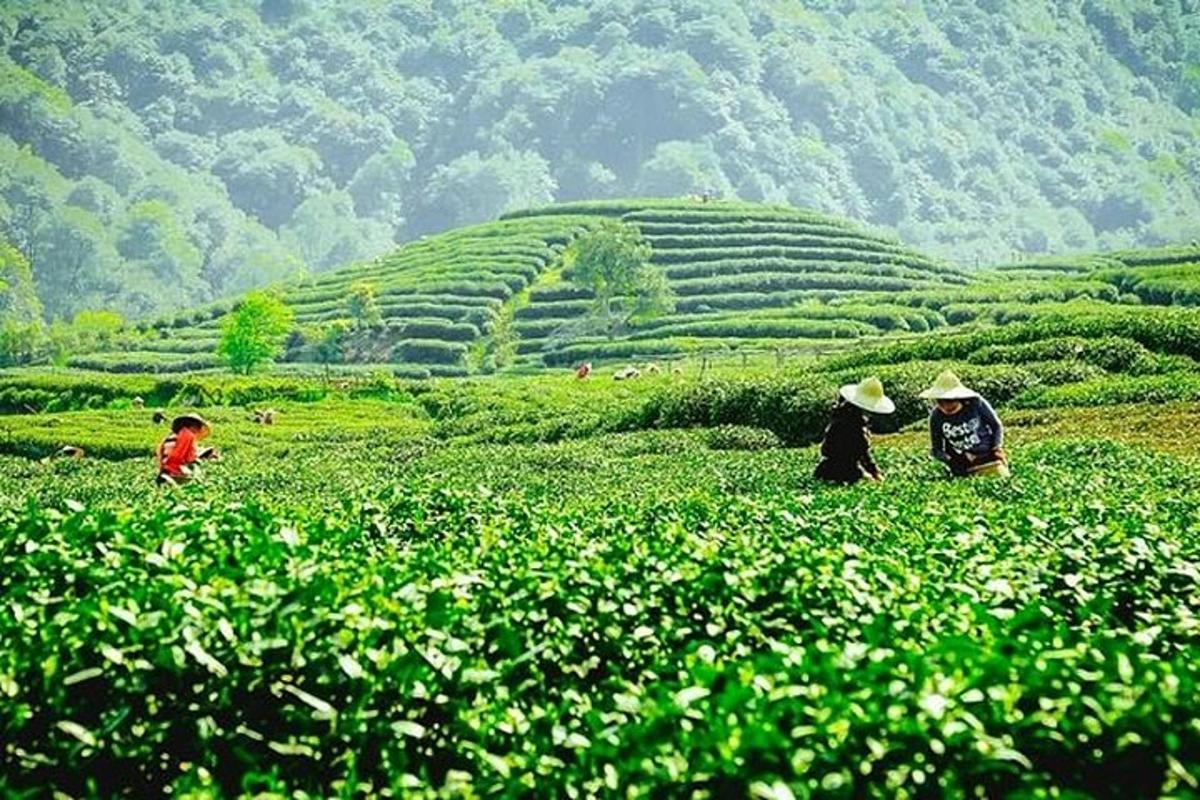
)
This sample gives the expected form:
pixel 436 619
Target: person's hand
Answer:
pixel 970 457
pixel 877 477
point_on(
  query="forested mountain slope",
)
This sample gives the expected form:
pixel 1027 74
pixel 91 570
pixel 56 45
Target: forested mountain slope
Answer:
pixel 155 155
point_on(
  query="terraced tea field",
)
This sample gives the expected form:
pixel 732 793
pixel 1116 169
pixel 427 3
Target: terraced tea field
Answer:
pixel 745 278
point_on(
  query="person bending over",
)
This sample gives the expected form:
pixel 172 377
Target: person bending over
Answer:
pixel 846 448
pixel 965 433
pixel 180 451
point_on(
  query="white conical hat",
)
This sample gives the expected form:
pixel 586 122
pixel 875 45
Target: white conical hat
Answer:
pixel 868 395
pixel 948 387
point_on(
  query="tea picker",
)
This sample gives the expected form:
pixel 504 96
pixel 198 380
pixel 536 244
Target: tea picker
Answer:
pixel 179 453
pixel 846 446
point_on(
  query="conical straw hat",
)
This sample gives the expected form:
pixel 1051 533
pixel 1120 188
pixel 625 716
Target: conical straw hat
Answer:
pixel 948 387
pixel 868 395
pixel 196 421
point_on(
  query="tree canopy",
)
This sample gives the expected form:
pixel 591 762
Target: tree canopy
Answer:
pixel 155 155
pixel 613 262
pixel 253 333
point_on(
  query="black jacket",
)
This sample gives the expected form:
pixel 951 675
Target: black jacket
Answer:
pixel 846 448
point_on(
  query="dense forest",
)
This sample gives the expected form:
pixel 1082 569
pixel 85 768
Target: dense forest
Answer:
pixel 155 154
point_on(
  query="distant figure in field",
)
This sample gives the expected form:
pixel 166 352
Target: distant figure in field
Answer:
pixel 139 403
pixel 583 371
pixel 264 417
pixel 846 448
pixel 965 433
pixel 179 452
pixel 626 374
pixel 158 417
pixel 653 369
pixel 70 451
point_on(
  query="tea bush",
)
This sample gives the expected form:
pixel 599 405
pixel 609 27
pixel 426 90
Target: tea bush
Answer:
pixel 632 616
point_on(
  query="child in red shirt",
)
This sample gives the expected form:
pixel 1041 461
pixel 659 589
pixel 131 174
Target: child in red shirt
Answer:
pixel 178 453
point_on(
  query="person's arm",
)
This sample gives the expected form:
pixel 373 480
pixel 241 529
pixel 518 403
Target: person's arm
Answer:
pixel 987 415
pixel 863 447
pixel 937 442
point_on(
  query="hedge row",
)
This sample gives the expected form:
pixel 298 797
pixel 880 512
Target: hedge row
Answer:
pixel 433 328
pixel 1172 331
pixel 429 351
pixel 558 291
pixel 733 213
pixel 536 328
pixel 1110 353
pixel 1016 292
pixel 25 391
pixel 586 351
pixel 1114 390
pixel 783 281
pixel 474 315
pixel 675 210
pixel 706 241
pixel 754 227
pixel 759 327
pixel 741 266
pixel 1181 254
pixel 1160 285
pixel 883 316
pixel 143 361
pixel 839 254
pixel 177 345
pixel 562 309
pixel 704 303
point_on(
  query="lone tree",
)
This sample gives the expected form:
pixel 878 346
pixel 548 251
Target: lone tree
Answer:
pixel 363 306
pixel 254 332
pixel 613 261
pixel 329 343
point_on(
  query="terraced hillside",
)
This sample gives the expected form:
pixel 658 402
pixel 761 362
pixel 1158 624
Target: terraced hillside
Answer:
pixel 471 299
pixel 766 274
pixel 745 277
pixel 1159 276
pixel 436 298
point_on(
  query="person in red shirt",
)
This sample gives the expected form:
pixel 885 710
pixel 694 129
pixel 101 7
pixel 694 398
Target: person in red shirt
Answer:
pixel 179 451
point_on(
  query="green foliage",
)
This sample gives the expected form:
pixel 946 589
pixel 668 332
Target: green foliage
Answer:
pixel 19 303
pixel 612 262
pixel 339 132
pixel 252 334
pixel 362 306
pixel 1169 388
pixel 492 618
pixel 19 342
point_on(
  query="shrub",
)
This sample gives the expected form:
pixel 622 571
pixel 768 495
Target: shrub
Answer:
pixel 740 437
pixel 429 351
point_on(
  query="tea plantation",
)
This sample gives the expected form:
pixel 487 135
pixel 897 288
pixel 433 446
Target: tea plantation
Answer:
pixel 745 278
pixel 425 581
pixel 544 587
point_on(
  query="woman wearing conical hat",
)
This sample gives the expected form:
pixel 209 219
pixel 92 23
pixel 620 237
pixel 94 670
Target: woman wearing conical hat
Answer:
pixel 846 448
pixel 965 433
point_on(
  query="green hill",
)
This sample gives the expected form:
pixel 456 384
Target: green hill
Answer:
pixel 746 277
pixel 473 298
